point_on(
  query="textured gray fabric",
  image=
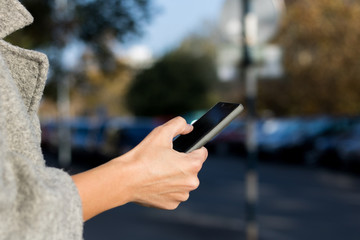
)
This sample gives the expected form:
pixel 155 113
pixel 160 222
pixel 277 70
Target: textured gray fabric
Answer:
pixel 36 202
pixel 13 16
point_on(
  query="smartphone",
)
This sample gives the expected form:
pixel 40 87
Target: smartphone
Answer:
pixel 208 126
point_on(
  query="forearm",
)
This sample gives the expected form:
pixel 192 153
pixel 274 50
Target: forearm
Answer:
pixel 151 174
pixel 104 187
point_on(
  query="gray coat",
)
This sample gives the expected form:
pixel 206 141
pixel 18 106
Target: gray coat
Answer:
pixel 36 202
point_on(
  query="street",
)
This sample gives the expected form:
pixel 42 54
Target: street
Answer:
pixel 295 202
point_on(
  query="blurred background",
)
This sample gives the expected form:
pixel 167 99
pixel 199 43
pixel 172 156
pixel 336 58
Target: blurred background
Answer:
pixel 119 68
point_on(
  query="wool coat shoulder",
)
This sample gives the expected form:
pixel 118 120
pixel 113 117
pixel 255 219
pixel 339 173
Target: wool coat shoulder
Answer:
pixel 36 202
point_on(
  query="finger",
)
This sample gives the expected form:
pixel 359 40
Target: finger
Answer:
pixel 177 126
pixel 200 154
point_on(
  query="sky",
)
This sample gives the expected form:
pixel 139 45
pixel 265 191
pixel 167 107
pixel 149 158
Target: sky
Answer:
pixel 175 20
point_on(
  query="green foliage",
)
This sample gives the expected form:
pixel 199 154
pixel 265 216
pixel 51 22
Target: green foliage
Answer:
pixel 88 20
pixel 93 22
pixel 38 34
pixel 178 83
pixel 115 17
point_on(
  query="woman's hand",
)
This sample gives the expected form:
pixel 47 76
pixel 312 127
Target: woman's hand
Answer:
pixel 152 174
pixel 164 177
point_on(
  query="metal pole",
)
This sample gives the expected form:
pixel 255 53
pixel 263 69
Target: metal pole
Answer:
pixel 251 175
pixel 63 100
pixel 249 30
pixel 64 130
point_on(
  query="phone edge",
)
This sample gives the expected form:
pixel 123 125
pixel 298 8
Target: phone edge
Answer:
pixel 224 123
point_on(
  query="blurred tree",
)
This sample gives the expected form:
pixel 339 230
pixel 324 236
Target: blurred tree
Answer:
pixel 92 21
pixel 95 24
pixel 321 60
pixel 96 89
pixel 181 81
pixel 39 34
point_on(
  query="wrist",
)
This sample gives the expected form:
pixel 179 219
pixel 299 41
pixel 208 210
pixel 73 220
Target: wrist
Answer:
pixel 134 174
pixel 105 187
pixel 123 171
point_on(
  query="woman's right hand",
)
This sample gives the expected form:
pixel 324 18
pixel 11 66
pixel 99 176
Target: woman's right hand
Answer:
pixel 163 177
pixel 152 174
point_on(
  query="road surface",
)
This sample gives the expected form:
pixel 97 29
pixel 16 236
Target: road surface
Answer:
pixel 295 203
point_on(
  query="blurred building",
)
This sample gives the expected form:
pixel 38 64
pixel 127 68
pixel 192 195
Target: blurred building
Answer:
pixel 265 21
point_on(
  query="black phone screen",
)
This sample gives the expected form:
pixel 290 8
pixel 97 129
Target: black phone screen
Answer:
pixel 203 126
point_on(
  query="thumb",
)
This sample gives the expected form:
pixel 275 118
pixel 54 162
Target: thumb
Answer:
pixel 177 126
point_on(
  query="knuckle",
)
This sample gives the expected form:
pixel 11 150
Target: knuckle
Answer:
pixel 196 166
pixel 156 131
pixel 194 183
pixel 172 206
pixel 180 120
pixel 158 128
pixel 185 197
pixel 201 154
pixel 204 152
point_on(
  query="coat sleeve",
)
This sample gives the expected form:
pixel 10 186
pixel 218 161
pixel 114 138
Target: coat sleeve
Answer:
pixel 36 202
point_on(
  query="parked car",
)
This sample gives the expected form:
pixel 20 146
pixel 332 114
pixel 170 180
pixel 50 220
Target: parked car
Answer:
pixel 324 146
pixel 280 139
pixel 348 148
pixel 124 133
pixel 231 140
pixel 289 139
